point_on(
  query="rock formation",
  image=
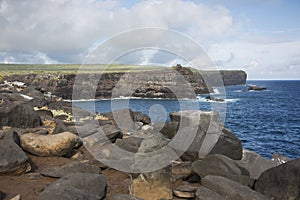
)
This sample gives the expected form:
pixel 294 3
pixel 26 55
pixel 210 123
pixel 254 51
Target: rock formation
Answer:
pixel 209 161
pixel 165 83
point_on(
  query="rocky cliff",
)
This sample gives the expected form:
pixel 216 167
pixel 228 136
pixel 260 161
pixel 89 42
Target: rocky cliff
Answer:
pixel 229 77
pixel 180 82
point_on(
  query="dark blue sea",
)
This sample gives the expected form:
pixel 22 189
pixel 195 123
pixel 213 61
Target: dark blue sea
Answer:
pixel 266 121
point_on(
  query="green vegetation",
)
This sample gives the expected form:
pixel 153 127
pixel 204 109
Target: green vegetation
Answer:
pixel 9 69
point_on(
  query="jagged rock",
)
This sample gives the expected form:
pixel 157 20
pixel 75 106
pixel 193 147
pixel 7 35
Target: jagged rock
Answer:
pixel 130 143
pixel 49 145
pixel 60 127
pixel 112 132
pixel 125 197
pixel 11 135
pixel 12 159
pixel 186 191
pixel 255 163
pixel 201 128
pixel 212 98
pixel 281 182
pixel 18 114
pixel 211 137
pixel 87 129
pixel 181 170
pixel 258 88
pixel 124 118
pixel 204 193
pixel 169 129
pixel 221 165
pixel 230 188
pixel 70 168
pixel 280 159
pixel 141 117
pixel 78 186
pixel 228 145
pixel 45 114
pixel 38 99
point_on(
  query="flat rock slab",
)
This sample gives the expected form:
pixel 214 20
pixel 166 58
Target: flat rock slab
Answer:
pixel 70 168
pixel 80 186
pixel 12 159
pixel 186 191
pixel 49 145
pixel 255 163
pixel 221 165
pixel 231 189
pixel 281 182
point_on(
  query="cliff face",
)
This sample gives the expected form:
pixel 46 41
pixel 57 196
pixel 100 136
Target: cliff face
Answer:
pixel 229 77
pixel 178 82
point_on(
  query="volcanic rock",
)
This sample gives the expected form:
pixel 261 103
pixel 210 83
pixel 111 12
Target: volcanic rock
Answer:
pixel 18 114
pixel 12 159
pixel 221 165
pixel 255 163
pixel 70 168
pixel 78 186
pixel 204 193
pixel 229 145
pixel 230 188
pixel 49 145
pixel 281 182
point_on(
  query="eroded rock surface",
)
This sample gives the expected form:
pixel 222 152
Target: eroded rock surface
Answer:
pixel 49 145
pixel 12 159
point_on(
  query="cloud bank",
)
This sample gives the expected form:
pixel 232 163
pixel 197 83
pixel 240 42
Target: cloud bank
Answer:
pixel 66 31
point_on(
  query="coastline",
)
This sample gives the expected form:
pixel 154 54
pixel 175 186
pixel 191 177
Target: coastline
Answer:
pixel 186 172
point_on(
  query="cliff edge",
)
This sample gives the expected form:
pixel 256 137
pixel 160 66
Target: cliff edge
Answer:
pixel 175 82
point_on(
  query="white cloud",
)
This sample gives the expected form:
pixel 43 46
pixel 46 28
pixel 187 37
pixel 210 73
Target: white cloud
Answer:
pixel 261 60
pixel 21 57
pixel 65 30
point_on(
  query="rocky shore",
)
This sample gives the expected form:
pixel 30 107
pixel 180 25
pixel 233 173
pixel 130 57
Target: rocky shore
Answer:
pixel 152 84
pixel 48 153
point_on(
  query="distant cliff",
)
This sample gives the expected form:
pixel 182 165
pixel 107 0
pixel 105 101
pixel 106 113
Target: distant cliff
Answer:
pixel 229 77
pixel 176 82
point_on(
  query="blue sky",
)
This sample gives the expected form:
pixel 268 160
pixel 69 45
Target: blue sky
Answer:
pixel 260 37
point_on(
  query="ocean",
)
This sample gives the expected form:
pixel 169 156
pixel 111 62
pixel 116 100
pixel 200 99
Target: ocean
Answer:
pixel 267 121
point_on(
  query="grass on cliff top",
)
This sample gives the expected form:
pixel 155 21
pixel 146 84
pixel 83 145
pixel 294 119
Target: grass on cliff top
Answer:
pixel 10 69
